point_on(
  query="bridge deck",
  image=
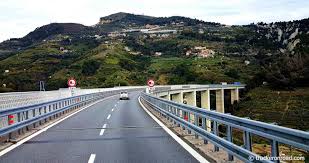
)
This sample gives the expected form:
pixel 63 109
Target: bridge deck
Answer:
pixel 117 143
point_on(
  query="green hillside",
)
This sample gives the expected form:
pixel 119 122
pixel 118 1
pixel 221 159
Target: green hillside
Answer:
pixel 285 108
pixel 110 65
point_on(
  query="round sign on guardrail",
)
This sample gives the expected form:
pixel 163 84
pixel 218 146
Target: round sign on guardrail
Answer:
pixel 150 83
pixel 71 82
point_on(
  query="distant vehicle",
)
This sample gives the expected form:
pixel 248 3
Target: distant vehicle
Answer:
pixel 237 83
pixel 124 96
pixel 224 83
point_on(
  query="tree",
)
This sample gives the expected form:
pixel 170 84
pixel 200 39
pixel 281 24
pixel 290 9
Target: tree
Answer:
pixel 54 84
pixel 232 73
pixel 289 72
pixel 90 67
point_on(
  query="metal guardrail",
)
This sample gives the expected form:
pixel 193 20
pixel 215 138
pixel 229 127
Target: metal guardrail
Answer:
pixel 276 134
pixel 20 99
pixel 20 117
pixel 16 99
pixel 200 87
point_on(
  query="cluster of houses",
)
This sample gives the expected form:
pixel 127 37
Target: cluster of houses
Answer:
pixel 63 50
pixel 149 30
pixel 200 51
pixel 132 52
pixel 155 31
pixel 157 54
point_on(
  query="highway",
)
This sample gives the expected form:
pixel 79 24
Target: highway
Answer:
pixel 131 135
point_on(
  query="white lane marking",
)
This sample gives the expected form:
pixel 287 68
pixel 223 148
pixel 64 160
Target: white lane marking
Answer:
pixel 113 109
pixel 109 115
pixel 46 128
pixel 195 154
pixel 115 105
pixel 91 158
pixel 102 130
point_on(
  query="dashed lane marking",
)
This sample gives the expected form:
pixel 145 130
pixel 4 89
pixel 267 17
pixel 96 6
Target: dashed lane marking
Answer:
pixel 102 130
pixel 91 158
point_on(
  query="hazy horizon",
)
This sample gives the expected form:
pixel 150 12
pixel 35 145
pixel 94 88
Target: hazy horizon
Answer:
pixel 19 17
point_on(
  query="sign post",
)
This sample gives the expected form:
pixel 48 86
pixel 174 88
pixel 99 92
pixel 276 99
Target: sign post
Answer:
pixel 72 85
pixel 150 84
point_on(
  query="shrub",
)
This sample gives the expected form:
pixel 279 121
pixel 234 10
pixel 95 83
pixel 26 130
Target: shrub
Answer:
pixel 90 67
pixel 232 73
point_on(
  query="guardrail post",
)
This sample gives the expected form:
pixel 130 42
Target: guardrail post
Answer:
pixel 10 122
pixel 168 110
pixel 18 120
pixel 215 131
pixel 171 111
pixel 274 149
pixel 45 111
pixel 247 140
pixel 183 117
pixel 230 139
pixel 178 115
pixel 189 118
pixel 40 113
pixel 50 109
pixel 27 117
pixel 196 123
pixel 54 108
pixel 58 107
pixel 175 113
pixel 33 113
pixel 204 127
pixel 162 113
pixel 63 105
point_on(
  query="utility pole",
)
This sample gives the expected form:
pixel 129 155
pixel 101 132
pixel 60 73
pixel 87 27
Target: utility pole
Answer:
pixel 42 86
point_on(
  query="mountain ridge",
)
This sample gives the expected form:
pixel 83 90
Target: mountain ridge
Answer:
pixel 122 16
pixel 130 41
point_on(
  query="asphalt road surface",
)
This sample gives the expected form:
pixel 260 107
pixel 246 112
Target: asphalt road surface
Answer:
pixel 130 136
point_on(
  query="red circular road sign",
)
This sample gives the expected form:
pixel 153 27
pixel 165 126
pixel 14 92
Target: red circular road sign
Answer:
pixel 72 82
pixel 150 83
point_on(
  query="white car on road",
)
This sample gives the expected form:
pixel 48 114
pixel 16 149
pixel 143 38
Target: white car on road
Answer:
pixel 124 96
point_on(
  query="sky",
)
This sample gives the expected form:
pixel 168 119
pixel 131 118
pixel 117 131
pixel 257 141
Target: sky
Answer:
pixel 19 17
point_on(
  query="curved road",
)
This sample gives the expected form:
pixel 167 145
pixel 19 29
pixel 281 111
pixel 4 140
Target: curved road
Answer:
pixel 131 136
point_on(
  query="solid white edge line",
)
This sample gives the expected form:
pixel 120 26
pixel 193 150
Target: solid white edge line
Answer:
pixel 109 115
pixel 102 130
pixel 91 158
pixel 3 152
pixel 195 154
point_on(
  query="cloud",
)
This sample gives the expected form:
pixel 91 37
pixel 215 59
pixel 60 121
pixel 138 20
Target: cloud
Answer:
pixel 19 17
